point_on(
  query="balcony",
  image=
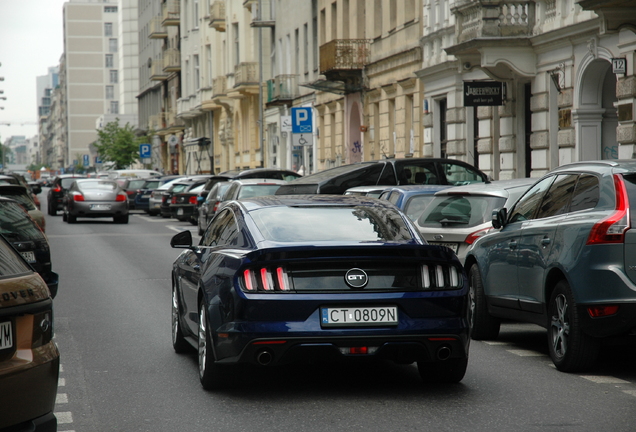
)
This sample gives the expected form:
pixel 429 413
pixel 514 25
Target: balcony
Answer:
pixel 486 19
pixel 171 13
pixel 156 30
pixel 344 59
pixel 171 60
pixel 217 15
pixel 262 18
pixel 614 14
pixel 219 86
pixel 282 90
pixel 156 70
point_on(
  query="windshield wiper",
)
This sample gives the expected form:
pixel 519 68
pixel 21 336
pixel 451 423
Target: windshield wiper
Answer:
pixel 447 221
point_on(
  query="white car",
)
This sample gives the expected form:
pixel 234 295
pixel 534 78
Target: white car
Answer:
pixel 154 202
pixel 457 216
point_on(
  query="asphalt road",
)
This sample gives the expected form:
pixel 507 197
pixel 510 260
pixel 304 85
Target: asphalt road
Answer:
pixel 119 372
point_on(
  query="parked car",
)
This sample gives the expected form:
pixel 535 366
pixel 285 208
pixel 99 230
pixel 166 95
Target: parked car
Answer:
pixel 24 196
pixel 373 191
pixel 28 239
pixel 29 359
pixel 385 172
pixel 250 188
pixel 183 205
pixel 210 205
pixel 57 191
pixel 563 258
pixel 156 196
pixel 95 198
pixel 131 186
pixel 412 200
pixel 142 197
pixel 278 279
pixel 177 187
pixel 458 216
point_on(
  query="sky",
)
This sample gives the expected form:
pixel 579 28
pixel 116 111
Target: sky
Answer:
pixel 31 41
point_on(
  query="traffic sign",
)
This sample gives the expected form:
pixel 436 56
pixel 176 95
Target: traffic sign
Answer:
pixel 85 159
pixel 144 151
pixel 302 120
pixel 302 139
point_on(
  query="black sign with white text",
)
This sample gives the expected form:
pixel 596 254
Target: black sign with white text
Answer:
pixel 483 93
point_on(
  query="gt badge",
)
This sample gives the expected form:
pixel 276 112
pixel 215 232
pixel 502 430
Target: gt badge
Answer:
pixel 356 278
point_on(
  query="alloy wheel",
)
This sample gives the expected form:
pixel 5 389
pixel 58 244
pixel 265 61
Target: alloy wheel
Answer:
pixel 560 326
pixel 203 346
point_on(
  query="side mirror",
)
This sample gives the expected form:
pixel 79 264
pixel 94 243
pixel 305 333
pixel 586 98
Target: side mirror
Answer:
pixel 182 240
pixel 35 187
pixel 499 218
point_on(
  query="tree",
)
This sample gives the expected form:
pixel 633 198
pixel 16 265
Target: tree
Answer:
pixel 118 144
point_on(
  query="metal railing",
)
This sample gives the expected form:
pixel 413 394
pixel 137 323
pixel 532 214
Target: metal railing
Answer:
pixel 282 88
pixel 344 54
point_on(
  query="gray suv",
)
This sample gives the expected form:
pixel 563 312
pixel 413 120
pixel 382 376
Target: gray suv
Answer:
pixel 565 259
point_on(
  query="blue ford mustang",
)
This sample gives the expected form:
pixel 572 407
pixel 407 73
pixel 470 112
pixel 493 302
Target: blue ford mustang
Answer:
pixel 291 278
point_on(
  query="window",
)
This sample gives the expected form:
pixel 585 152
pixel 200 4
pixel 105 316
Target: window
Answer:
pixel 586 193
pixel 237 48
pixel 197 77
pixel 110 92
pixel 557 200
pixel 306 50
pixel 108 29
pixel 526 207
pixel 112 45
pixel 196 14
pixel 217 231
pixel 110 61
pixel 114 76
pixel 110 9
pixel 296 52
pixel 114 107
pixel 442 128
pixel 208 55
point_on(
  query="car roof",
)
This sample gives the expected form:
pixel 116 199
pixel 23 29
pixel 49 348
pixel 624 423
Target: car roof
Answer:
pixel 493 188
pixel 252 181
pixel 408 189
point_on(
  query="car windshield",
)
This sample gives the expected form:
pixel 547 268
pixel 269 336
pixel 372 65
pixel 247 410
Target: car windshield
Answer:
pixel 20 197
pixel 97 184
pixel 16 225
pixel 315 224
pixel 136 184
pixel 459 211
pixel 248 191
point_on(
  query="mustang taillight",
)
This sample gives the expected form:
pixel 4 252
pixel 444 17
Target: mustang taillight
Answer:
pixel 440 277
pixel 266 279
pixel 121 197
pixel 78 196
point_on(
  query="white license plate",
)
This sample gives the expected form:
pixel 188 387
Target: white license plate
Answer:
pixel 28 256
pixel 359 316
pixel 452 246
pixel 100 207
pixel 180 212
pixel 146 196
pixel 6 335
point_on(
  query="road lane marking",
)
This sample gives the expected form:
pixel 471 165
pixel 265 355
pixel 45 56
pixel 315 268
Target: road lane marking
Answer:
pixel 598 379
pixel 526 353
pixel 61 398
pixel 65 417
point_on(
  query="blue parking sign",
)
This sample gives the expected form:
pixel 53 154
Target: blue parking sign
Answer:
pixel 85 160
pixel 144 151
pixel 302 120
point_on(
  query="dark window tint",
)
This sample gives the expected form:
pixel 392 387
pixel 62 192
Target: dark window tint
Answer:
pixel 363 177
pixel 527 206
pixel 557 200
pixel 249 191
pixel 67 182
pixel 460 175
pixel 586 193
pixel 315 224
pixel 150 184
pixel 217 229
pixel 20 196
pixel 459 211
pixel 422 172
pixel 10 261
pixel 388 175
pixel 16 225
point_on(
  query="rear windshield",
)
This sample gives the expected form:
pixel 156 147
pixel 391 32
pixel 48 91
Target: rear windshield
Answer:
pixel 154 184
pixel 316 224
pixel 459 211
pixel 248 191
pixel 21 197
pixel 10 262
pixel 97 184
pixel 16 225
pixel 179 188
pixel 67 182
pixel 416 205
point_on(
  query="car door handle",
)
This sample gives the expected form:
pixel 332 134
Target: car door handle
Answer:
pixel 512 244
pixel 196 267
pixel 545 241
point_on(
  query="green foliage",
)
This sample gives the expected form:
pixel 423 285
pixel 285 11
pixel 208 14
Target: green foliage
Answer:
pixel 36 167
pixel 118 144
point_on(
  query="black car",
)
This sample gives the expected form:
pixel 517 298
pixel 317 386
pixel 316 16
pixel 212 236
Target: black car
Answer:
pixel 27 238
pixel 278 280
pixel 385 172
pixel 55 195
pixel 210 205
pixel 180 186
pixel 142 197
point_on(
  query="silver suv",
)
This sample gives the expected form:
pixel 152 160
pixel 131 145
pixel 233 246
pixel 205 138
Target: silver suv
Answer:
pixel 565 259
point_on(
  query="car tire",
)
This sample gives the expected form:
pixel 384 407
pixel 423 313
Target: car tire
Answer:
pixel 571 350
pixel 121 219
pixel 52 211
pixel 71 219
pixel 484 326
pixel 193 220
pixel 200 230
pixel 179 343
pixel 448 371
pixel 212 375
pixel 64 216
